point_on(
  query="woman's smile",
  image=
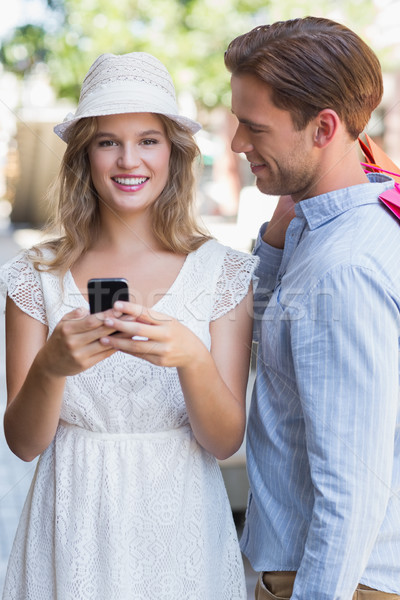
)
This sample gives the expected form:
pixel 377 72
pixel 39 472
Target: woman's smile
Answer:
pixel 129 183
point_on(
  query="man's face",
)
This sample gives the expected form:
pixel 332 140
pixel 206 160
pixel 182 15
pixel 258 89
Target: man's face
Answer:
pixel 282 159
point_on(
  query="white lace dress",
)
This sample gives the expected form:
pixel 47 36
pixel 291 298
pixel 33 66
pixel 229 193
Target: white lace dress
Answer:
pixel 124 503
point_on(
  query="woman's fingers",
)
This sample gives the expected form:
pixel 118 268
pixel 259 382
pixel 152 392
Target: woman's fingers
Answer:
pixel 142 314
pixel 154 336
pixel 149 350
pixel 76 314
pixel 139 323
pixel 147 334
pixel 77 336
pixel 134 328
pixel 81 322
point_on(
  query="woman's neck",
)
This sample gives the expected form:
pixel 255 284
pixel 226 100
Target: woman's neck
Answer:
pixel 125 234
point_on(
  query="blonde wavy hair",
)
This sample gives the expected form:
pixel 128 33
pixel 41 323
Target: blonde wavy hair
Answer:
pixel 77 221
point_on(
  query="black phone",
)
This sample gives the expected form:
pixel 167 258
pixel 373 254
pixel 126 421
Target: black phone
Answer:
pixel 103 293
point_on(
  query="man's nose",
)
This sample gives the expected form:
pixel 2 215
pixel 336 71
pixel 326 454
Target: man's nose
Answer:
pixel 241 142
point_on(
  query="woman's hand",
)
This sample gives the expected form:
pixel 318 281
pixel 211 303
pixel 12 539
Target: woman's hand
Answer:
pixel 153 336
pixel 74 345
pixel 213 382
pixel 276 230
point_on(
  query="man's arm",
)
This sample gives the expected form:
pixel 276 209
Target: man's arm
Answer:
pixel 269 248
pixel 345 351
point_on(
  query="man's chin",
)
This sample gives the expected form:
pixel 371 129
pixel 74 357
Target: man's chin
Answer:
pixel 267 188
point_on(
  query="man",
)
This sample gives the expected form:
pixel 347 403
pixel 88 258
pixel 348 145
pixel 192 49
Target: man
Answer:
pixel 323 448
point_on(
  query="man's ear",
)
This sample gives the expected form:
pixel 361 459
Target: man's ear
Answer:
pixel 326 125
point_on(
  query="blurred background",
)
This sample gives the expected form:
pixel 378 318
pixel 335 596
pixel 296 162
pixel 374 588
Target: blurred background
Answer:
pixel 47 46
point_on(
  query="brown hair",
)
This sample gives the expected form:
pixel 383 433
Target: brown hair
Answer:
pixel 311 64
pixel 77 215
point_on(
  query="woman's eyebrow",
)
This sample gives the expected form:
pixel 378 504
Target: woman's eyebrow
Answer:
pixel 140 133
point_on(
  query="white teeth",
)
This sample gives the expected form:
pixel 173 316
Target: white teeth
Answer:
pixel 130 180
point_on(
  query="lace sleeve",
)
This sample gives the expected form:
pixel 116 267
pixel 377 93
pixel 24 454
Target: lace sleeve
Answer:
pixel 236 274
pixel 21 282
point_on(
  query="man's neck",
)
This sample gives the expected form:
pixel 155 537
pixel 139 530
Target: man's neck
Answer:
pixel 339 168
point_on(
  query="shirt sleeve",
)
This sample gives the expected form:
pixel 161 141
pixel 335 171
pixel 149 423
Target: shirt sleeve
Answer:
pixel 22 283
pixel 233 281
pixel 345 351
pixel 266 274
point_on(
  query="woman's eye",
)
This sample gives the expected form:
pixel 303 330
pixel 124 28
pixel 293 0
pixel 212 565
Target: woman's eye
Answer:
pixel 107 143
pixel 149 142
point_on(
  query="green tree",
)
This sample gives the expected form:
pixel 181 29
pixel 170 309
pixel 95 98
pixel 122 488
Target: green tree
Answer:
pixel 190 36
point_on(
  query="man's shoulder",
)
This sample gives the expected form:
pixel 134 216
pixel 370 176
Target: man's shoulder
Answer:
pixel 366 237
pixel 359 227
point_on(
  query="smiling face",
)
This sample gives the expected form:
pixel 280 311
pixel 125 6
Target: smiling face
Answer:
pixel 129 161
pixel 282 158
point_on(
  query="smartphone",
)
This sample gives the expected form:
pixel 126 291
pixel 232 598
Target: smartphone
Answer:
pixel 103 293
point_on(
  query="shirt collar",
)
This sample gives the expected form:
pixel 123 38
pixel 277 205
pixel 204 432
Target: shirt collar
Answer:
pixel 321 209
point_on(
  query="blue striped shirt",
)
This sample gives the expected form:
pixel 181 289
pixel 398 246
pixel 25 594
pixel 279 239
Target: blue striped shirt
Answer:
pixel 323 441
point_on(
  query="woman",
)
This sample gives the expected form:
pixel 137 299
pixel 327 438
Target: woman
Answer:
pixel 127 500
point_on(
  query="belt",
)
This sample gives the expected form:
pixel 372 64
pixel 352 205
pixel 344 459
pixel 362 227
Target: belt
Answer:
pixel 182 431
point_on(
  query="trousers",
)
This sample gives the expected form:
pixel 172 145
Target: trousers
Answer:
pixel 278 585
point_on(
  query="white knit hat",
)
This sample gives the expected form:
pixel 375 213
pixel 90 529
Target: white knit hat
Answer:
pixel 126 83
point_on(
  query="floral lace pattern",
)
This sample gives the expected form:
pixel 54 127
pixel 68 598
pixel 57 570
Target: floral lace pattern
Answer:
pixel 124 502
pixel 22 283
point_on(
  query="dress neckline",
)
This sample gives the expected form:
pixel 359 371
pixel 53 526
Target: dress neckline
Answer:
pixel 69 278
